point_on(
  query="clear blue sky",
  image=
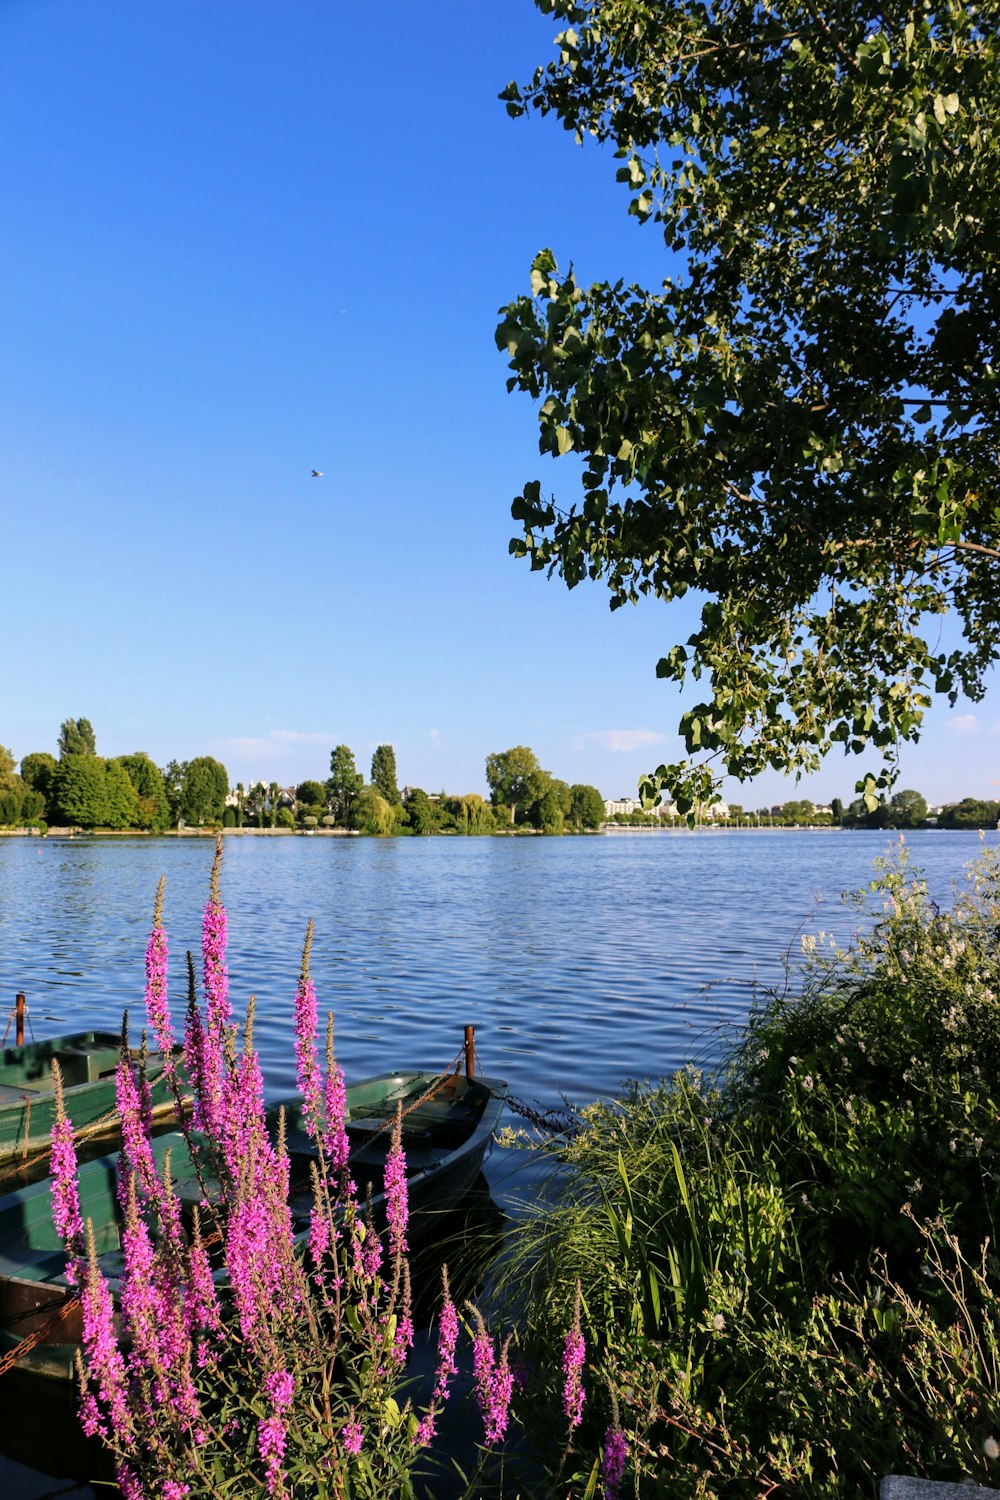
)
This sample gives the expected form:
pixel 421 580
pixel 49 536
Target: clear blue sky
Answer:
pixel 246 240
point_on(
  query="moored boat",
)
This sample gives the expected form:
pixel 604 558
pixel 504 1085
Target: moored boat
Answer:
pixel 87 1061
pixel 447 1126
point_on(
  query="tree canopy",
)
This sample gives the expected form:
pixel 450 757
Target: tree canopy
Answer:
pixel 345 782
pixel 801 424
pixel 384 773
pixel 515 778
pixel 76 737
pixel 204 789
pixel 153 810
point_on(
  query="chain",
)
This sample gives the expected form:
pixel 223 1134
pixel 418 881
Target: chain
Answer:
pixel 562 1120
pixel 13 1356
pixel 11 1014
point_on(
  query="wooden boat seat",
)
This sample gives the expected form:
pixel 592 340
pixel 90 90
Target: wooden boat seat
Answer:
pixel 86 1064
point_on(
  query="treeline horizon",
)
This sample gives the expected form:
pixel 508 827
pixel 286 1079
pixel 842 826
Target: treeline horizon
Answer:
pixel 79 788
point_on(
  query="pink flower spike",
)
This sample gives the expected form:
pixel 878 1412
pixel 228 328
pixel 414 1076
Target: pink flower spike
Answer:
pixel 352 1437
pixel 574 1353
pixel 396 1200
pixel 307 1069
pixel 65 1193
pixel 613 1465
pixel 157 1005
pixel 494 1383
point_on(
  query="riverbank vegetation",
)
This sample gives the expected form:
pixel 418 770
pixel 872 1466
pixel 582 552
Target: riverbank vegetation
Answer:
pixel 787 1273
pixel 84 790
pixel 775 1280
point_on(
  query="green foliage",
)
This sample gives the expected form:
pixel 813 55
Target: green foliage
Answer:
pixel 471 814
pixel 586 807
pixel 801 422
pixel 121 809
pixel 204 788
pixel 421 812
pixel 971 813
pixel 173 785
pixel 152 807
pixel 37 769
pixel 384 773
pixel 515 779
pixel 373 814
pixel 344 784
pixel 89 792
pixel 19 803
pixel 76 737
pixel 551 809
pixel 311 794
pixel 784 1276
pixel 877 1081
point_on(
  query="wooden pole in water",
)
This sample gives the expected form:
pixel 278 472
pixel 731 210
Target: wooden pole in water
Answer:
pixel 19 1022
pixel 470 1052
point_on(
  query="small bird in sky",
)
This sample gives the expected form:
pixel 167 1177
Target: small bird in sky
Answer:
pixel 317 473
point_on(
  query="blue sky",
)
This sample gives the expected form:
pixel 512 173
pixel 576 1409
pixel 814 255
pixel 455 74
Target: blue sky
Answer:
pixel 246 240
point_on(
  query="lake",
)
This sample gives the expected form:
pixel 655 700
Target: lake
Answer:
pixel 581 962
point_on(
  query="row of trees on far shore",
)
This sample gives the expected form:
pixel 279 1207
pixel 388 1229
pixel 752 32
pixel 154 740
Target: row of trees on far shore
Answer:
pixel 906 809
pixel 80 788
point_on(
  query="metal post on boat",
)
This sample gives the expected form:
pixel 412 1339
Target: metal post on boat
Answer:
pixel 470 1051
pixel 19 1021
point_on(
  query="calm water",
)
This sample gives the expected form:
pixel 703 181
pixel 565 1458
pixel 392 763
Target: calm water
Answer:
pixel 581 962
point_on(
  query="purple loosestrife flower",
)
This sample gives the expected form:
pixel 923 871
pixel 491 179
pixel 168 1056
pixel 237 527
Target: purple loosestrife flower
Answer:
pixel 279 1387
pixel 157 1006
pixel 128 1482
pixel 105 1365
pixel 202 1317
pixel 271 1439
pixel 613 1464
pixel 65 1193
pixel 352 1437
pixel 335 1142
pixel 196 1064
pixel 307 1070
pixel 446 1366
pixel 366 1245
pixel 135 1113
pixel 574 1353
pixel 172 1490
pixel 396 1200
pixel 494 1382
pixel 218 1013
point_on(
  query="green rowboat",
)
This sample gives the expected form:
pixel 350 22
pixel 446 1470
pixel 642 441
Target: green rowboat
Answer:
pixel 448 1124
pixel 87 1061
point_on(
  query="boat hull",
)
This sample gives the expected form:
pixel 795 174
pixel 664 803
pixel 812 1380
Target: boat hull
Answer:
pixel 87 1062
pixel 448 1126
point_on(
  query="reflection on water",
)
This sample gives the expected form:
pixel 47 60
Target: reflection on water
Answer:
pixel 581 962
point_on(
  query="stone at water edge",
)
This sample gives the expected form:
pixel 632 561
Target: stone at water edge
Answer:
pixel 900 1487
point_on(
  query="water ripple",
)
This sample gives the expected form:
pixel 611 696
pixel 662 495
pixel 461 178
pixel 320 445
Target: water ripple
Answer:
pixel 581 962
